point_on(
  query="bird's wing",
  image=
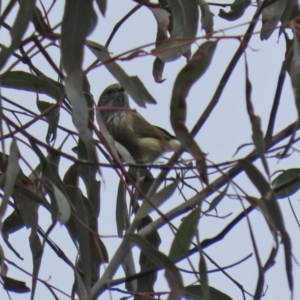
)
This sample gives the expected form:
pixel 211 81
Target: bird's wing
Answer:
pixel 148 130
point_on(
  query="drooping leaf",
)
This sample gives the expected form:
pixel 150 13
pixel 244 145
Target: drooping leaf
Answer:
pixel 18 29
pixel 14 285
pixel 11 224
pixel 185 18
pixel 237 10
pixel 194 292
pixel 102 6
pixel 184 236
pixel 28 82
pixel 291 11
pixel 294 69
pixel 193 70
pixel 40 25
pixel 172 274
pixel 162 18
pixel 145 283
pixel 218 199
pixel 81 233
pixel 64 209
pixel 37 252
pixel 122 217
pixel 132 84
pixel 157 70
pixel 52 117
pixel 284 177
pixel 257 133
pixel 271 15
pixel 256 177
pixel 272 213
pixel 207 17
pixel 156 200
pixel 79 20
pixel 12 173
pixel 203 276
pixel 128 265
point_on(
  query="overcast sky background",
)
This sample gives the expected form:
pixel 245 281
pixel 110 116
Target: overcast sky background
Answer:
pixel 227 128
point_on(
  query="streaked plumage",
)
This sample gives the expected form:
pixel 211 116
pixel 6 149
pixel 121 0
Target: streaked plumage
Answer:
pixel 142 140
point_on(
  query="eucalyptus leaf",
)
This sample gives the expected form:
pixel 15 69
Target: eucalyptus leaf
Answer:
pixel 63 205
pixel 13 171
pixel 294 69
pixel 20 80
pixel 284 177
pixel 24 16
pixel 172 274
pixel 193 70
pixel 194 292
pixel 52 117
pixel 132 84
pixel 184 236
pixel 271 15
pixel 237 10
pixel 207 17
pixel 102 6
pixel 156 200
pixel 185 18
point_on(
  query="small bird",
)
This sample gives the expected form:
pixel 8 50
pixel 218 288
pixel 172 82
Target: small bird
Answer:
pixel 144 142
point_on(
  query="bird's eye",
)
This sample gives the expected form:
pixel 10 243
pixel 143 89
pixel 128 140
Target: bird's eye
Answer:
pixel 121 89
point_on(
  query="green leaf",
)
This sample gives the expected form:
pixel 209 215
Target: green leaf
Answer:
pixel 132 84
pixel 102 6
pixel 294 69
pixel 162 17
pixel 184 236
pixel 272 213
pixel 237 10
pixel 145 284
pixel 13 170
pixel 38 84
pixel 172 274
pixel 256 177
pixel 52 117
pixel 284 177
pixel 257 134
pixel 156 200
pixel 207 17
pixel 204 277
pixel 290 12
pixel 185 18
pixel 64 209
pixel 81 232
pixel 79 20
pixel 194 292
pixel 193 70
pixel 14 285
pixel 271 15
pixel 11 224
pixel 36 252
pixel 157 70
pixel 122 217
pixel 18 29
pixel 218 199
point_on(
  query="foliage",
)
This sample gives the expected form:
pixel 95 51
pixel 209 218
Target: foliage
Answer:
pixel 73 199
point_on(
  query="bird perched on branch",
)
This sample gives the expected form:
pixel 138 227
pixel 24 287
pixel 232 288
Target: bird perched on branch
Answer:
pixel 144 142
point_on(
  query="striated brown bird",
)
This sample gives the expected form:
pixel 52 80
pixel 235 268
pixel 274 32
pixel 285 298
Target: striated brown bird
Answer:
pixel 144 142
